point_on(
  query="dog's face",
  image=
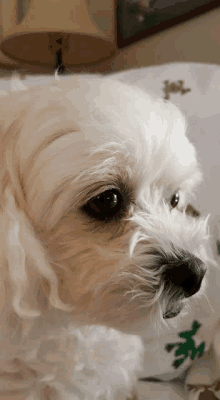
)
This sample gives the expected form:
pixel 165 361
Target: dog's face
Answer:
pixel 95 179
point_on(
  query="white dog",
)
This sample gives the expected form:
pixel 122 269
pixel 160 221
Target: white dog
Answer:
pixel 95 179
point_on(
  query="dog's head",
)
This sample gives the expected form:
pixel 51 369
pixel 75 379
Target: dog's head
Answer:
pixel 95 179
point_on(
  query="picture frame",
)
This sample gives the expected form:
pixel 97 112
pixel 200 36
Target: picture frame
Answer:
pixel 138 19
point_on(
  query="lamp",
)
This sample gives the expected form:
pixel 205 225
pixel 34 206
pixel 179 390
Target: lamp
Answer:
pixel 56 32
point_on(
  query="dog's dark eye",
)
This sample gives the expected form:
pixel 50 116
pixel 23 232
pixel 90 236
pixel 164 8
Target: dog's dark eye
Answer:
pixel 174 200
pixel 105 206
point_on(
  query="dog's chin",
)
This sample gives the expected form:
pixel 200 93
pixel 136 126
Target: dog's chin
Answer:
pixel 173 311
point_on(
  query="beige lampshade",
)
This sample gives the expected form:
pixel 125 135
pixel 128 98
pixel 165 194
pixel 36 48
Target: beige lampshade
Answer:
pixel 35 30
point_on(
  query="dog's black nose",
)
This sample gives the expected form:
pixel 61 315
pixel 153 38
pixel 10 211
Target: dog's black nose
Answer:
pixel 186 274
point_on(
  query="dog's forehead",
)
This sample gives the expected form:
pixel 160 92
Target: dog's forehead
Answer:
pixel 92 101
pixel 87 133
pixel 150 132
pixel 109 117
pixel 112 110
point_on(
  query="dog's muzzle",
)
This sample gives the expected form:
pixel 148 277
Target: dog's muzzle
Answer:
pixel 186 275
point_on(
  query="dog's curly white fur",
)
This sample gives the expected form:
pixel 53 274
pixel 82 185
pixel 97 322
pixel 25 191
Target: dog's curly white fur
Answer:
pixel 95 177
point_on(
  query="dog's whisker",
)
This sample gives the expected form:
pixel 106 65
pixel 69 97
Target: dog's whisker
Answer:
pixel 208 301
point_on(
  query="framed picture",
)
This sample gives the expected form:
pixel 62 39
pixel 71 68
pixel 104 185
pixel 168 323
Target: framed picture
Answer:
pixel 137 19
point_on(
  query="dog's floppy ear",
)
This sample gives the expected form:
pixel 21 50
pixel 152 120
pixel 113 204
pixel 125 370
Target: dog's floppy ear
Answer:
pixel 26 262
